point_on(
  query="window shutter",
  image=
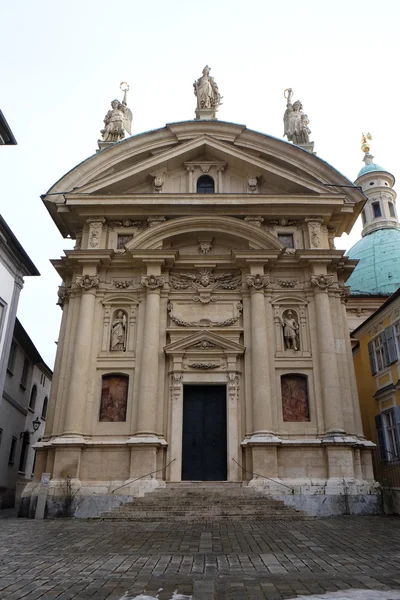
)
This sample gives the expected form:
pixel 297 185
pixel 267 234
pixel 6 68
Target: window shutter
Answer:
pixel 391 344
pixel 372 360
pixel 396 412
pixel 380 434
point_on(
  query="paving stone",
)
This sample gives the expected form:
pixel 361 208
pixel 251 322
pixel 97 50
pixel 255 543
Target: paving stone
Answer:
pixel 236 560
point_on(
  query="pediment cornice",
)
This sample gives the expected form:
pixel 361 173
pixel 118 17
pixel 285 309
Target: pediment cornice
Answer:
pixel 204 342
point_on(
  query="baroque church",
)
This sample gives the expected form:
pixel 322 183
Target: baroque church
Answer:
pixel 204 334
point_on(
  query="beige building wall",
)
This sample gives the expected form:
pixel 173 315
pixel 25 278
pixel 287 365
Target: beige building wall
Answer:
pixel 169 287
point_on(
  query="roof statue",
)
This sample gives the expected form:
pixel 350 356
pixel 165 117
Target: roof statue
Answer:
pixel 207 94
pixel 117 120
pixel 295 121
pixel 365 146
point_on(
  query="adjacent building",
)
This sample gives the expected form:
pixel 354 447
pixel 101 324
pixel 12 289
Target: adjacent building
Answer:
pixel 23 411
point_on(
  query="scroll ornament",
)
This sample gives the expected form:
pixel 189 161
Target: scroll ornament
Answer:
pixel 322 281
pixel 258 282
pixel 87 282
pixel 152 282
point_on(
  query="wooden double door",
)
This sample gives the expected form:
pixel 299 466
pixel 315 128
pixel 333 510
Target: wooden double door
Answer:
pixel 204 443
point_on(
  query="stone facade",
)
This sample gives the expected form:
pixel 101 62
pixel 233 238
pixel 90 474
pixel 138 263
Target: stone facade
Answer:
pixel 170 287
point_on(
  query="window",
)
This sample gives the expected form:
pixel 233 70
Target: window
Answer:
pixel 24 376
pixel 382 350
pixel 32 399
pixel 286 239
pixel 122 240
pixel 363 217
pixel 44 409
pixel 11 358
pixel 387 430
pixel 1 435
pixel 376 209
pixel 205 185
pixel 391 209
pixel 3 308
pixel 13 447
pixel 24 452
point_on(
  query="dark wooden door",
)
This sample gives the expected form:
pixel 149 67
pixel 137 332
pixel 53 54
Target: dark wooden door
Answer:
pixel 204 452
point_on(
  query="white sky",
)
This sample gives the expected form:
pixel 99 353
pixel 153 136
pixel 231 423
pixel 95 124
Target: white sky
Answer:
pixel 61 63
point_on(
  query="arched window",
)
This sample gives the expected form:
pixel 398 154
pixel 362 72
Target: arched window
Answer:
pixel 32 399
pixel 205 185
pixel 114 397
pixel 295 397
pixel 44 409
pixel 391 210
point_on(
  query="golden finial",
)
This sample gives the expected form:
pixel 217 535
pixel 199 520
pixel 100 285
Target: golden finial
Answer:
pixel 365 147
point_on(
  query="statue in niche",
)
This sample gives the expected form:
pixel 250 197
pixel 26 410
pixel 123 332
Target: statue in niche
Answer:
pixel 206 91
pixel 118 119
pixel 290 331
pixel 118 332
pixel 295 121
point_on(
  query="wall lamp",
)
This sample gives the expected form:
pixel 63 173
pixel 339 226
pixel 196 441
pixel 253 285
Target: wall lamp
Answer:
pixel 35 424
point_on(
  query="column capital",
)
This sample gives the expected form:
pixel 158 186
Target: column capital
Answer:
pixel 258 282
pixel 87 282
pixel 323 282
pixel 152 282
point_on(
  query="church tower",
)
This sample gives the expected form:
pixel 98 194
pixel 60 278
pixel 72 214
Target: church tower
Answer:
pixel 377 274
pixel 204 333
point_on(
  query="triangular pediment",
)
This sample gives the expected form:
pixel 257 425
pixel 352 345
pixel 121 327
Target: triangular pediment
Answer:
pixel 137 174
pixel 206 342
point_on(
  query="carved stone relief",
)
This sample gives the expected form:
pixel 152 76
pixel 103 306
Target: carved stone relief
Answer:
pixel 257 221
pixel 78 241
pixel 252 184
pixel 118 331
pixel 95 230
pixel 206 345
pixel 258 281
pixel 152 282
pixel 314 231
pixel 128 223
pixel 344 294
pixel 207 365
pixel 205 298
pixel 233 385
pixel 158 183
pixel 322 281
pixel 204 322
pixel 122 240
pixel 205 279
pixel 205 247
pixel 63 295
pixel 153 221
pixel 287 283
pixel 122 284
pixel 86 282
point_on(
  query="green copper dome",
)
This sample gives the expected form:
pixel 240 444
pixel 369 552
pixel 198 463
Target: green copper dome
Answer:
pixel 378 272
pixel 369 169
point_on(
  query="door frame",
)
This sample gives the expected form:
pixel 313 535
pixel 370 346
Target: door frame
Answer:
pixel 175 428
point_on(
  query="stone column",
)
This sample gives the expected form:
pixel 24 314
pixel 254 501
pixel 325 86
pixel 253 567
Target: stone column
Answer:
pixel 148 386
pixel 190 171
pixel 77 394
pixel 330 384
pixel 262 414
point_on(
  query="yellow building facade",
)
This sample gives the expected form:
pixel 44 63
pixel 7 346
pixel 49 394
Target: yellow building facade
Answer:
pixel 377 366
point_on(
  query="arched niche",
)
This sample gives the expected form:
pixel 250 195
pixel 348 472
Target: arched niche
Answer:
pixel 112 305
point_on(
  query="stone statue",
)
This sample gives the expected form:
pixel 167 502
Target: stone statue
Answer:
pixel 207 93
pixel 295 121
pixel 118 119
pixel 118 332
pixel 290 331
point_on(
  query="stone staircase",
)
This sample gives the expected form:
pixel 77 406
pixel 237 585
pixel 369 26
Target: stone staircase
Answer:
pixel 203 501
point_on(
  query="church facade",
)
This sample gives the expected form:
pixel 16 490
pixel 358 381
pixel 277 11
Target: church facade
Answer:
pixel 204 333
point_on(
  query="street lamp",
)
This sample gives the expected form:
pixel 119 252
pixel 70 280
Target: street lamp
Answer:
pixel 35 424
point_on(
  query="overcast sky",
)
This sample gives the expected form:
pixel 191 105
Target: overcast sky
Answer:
pixel 61 63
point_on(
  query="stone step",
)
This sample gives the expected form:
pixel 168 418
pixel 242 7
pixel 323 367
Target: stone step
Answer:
pixel 201 502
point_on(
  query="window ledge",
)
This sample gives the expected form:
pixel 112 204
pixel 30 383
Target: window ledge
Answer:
pixel 23 386
pixel 11 373
pixel 32 410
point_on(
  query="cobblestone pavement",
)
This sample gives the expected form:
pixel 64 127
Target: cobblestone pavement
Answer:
pixel 79 560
